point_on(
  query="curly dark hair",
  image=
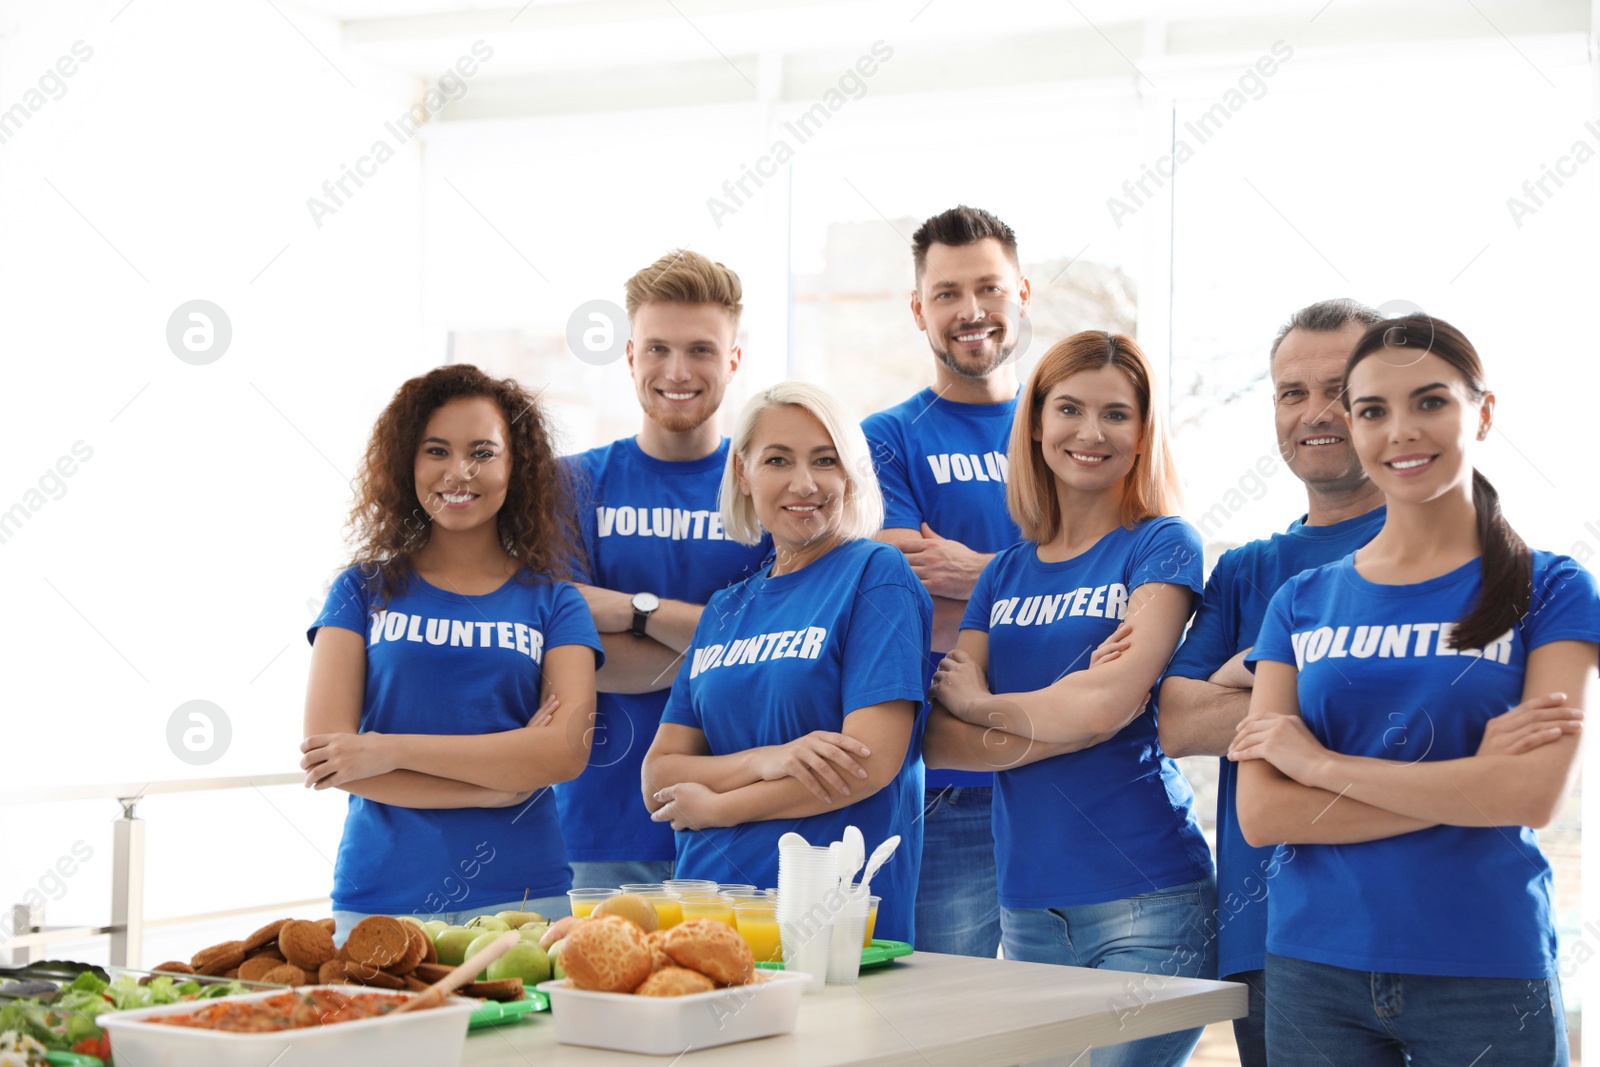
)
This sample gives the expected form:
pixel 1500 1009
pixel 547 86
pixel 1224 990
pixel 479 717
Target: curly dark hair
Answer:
pixel 388 523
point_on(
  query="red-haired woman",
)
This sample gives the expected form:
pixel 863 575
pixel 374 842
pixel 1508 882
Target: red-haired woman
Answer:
pixel 1101 862
pixel 452 673
pixel 1414 924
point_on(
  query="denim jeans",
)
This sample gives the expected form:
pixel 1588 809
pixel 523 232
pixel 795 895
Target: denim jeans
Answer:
pixel 549 907
pixel 1250 1032
pixel 1320 1014
pixel 958 897
pixel 1161 933
pixel 610 874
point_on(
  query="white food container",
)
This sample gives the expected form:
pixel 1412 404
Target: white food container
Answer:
pixel 667 1026
pixel 433 1037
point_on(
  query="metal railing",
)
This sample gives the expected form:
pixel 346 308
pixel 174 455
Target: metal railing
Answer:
pixel 128 923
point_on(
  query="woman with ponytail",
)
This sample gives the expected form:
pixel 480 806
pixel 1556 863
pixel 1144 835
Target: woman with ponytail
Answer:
pixel 1411 916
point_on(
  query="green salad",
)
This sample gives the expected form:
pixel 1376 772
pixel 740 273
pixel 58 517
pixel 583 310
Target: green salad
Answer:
pixel 66 1021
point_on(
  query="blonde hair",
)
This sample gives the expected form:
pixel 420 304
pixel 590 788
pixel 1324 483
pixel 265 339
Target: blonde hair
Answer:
pixel 683 277
pixel 1151 486
pixel 863 500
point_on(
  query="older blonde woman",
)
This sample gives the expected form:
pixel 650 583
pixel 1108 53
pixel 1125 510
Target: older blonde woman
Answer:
pixel 798 708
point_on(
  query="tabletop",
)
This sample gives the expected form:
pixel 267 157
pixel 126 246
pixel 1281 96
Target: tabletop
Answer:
pixel 927 1010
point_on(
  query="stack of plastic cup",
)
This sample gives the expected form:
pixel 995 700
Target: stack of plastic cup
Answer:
pixel 849 929
pixel 808 897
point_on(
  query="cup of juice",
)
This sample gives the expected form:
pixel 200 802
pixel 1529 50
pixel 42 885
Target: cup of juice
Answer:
pixel 872 920
pixel 585 900
pixel 669 911
pixel 757 922
pixel 706 906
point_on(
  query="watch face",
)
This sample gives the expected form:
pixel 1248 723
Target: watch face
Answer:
pixel 646 602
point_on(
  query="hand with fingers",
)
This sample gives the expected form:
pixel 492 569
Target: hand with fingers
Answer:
pixel 1234 674
pixel 331 760
pixel 546 712
pixel 1533 723
pixel 820 760
pixel 1285 741
pixel 946 568
pixel 959 686
pixel 689 806
pixel 1113 646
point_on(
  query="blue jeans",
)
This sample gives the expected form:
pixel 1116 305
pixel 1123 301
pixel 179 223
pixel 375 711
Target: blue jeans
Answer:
pixel 610 874
pixel 549 907
pixel 1250 1032
pixel 1161 933
pixel 1319 1013
pixel 958 895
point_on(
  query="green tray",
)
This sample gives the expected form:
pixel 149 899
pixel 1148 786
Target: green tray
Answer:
pixel 498 1012
pixel 72 1059
pixel 876 955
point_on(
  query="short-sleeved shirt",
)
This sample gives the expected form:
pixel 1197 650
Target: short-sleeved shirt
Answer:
pixel 1380 678
pixel 1116 819
pixel 775 658
pixel 1226 623
pixel 648 525
pixel 945 463
pixel 440 662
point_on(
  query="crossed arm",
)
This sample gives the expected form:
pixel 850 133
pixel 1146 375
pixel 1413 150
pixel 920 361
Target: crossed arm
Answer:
pixel 1292 789
pixel 686 785
pixel 639 664
pixel 442 770
pixel 948 569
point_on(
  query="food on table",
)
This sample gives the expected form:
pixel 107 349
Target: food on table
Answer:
pixel 267 935
pixel 658 953
pixel 377 941
pixel 560 929
pixel 286 1011
pixel 305 945
pixel 526 962
pixel 488 922
pixel 215 960
pixel 67 1021
pixel 712 948
pixel 630 906
pixel 20 1050
pixel 518 919
pixel 608 955
pixel 366 974
pixel 177 966
pixel 675 982
pixel 504 989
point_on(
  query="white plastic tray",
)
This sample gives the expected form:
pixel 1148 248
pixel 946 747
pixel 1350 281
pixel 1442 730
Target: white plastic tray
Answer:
pixel 430 1038
pixel 669 1026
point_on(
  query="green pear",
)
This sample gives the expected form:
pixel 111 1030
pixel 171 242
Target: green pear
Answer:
pixel 526 961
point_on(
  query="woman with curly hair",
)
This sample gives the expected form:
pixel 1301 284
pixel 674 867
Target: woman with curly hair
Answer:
pixel 452 670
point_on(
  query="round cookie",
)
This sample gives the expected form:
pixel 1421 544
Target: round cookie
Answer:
pixel 286 974
pixel 415 951
pixel 306 945
pixel 267 935
pixel 215 960
pixel 675 982
pixel 330 973
pixel 608 955
pixel 713 949
pixel 378 941
pixel 255 968
pixel 369 975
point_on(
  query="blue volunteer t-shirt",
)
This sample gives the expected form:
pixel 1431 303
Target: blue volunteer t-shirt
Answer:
pixel 1116 819
pixel 945 463
pixel 648 525
pixel 442 663
pixel 1378 678
pixel 1226 623
pixel 777 658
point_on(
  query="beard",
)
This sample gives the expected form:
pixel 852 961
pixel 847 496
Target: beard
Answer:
pixel 1002 355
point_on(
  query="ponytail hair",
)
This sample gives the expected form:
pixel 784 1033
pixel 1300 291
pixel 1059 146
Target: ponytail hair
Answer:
pixel 1506 592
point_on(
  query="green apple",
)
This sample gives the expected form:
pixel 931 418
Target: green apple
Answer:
pixel 451 944
pixel 488 922
pixel 481 942
pixel 434 926
pixel 532 931
pixel 554 952
pixel 518 919
pixel 526 961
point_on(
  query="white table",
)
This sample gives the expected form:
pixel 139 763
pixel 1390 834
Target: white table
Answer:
pixel 927 1010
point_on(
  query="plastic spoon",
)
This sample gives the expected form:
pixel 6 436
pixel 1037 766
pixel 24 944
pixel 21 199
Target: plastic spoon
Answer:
pixel 855 851
pixel 467 972
pixel 792 840
pixel 880 856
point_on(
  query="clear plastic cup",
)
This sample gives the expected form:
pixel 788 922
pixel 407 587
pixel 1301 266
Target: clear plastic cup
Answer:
pixel 757 922
pixel 872 920
pixel 689 885
pixel 669 909
pixel 706 906
pixel 736 888
pixel 585 900
pixel 644 889
pixel 805 949
pixel 849 925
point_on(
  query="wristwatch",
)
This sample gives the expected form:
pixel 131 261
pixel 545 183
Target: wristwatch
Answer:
pixel 644 606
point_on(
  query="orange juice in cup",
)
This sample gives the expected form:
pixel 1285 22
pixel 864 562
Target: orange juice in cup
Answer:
pixel 872 920
pixel 584 901
pixel 757 922
pixel 669 912
pixel 706 906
